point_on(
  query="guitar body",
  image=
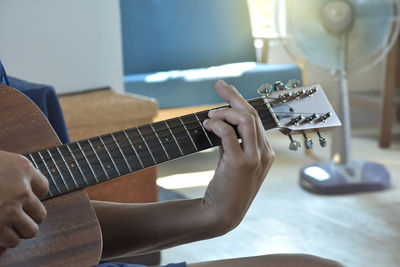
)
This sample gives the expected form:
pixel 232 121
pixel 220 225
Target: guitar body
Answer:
pixel 70 235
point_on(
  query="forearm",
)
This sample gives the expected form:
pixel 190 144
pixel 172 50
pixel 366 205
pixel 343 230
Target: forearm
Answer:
pixel 140 228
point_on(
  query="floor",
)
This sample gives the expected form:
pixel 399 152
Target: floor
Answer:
pixel 358 230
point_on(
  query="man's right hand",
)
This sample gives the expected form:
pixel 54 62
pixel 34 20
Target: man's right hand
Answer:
pixel 21 211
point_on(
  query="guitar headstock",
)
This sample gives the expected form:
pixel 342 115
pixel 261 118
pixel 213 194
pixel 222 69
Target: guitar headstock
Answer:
pixel 301 110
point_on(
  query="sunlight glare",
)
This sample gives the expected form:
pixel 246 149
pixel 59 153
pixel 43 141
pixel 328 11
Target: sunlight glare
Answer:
pixel 186 180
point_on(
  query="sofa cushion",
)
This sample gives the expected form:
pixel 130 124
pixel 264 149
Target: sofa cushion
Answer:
pixel 181 87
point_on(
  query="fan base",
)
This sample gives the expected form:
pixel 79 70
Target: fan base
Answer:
pixel 357 176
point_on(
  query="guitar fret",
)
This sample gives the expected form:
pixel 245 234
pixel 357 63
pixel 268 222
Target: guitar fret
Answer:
pixel 122 153
pixel 165 151
pixel 153 143
pixel 33 161
pixel 37 167
pixel 177 144
pixel 98 158
pixel 112 160
pixel 181 136
pixel 201 124
pixel 49 172
pixel 64 175
pixel 215 140
pixel 87 160
pixel 59 171
pixel 268 124
pixel 134 149
pixel 196 132
pixel 264 113
pixel 77 164
pixel 151 154
pixel 115 154
pixel 167 139
pixel 188 133
pixel 66 165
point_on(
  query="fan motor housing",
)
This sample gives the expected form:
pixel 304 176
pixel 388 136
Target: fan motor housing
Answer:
pixel 337 16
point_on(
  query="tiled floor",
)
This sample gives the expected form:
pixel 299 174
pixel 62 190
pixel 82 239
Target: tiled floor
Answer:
pixel 357 230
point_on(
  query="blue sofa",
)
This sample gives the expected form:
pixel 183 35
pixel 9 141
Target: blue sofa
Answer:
pixel 176 50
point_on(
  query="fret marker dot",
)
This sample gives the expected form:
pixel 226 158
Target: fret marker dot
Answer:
pixel 109 166
pixel 53 170
pixel 72 165
pixel 166 139
pixel 140 147
pixel 98 147
pixel 195 131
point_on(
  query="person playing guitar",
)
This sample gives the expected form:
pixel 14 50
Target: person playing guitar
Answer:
pixel 139 228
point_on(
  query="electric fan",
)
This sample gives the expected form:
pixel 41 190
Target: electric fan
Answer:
pixel 341 36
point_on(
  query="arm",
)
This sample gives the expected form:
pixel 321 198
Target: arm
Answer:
pixel 21 211
pixel 139 228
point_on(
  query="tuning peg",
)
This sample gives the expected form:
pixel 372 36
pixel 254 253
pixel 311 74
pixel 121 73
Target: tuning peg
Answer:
pixel 322 140
pixel 292 84
pixel 279 86
pixel 285 97
pixel 311 118
pixel 295 121
pixel 312 91
pixel 265 89
pixel 324 117
pixel 294 145
pixel 298 94
pixel 307 142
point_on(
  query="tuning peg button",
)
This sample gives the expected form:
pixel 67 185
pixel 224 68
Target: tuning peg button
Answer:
pixel 292 84
pixel 265 89
pixel 322 140
pixel 308 142
pixel 279 86
pixel 294 145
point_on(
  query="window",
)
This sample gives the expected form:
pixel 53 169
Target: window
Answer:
pixel 262 18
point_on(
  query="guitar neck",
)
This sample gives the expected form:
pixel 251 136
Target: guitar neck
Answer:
pixel 98 159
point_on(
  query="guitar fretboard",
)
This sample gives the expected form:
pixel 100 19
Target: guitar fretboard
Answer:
pixel 98 159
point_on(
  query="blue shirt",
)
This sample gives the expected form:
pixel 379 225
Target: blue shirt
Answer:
pixel 3 75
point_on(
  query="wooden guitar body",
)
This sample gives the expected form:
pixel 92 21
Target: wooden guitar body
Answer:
pixel 70 235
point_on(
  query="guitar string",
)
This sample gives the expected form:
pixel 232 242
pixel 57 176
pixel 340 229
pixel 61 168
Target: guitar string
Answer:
pixel 70 158
pixel 167 133
pixel 113 149
pixel 195 124
pixel 189 125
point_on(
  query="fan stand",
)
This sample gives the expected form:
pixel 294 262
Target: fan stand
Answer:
pixel 345 175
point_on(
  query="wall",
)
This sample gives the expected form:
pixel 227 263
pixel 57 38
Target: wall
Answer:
pixel 73 45
pixel 76 45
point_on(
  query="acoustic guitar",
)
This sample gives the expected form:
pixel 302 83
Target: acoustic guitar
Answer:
pixel 70 235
